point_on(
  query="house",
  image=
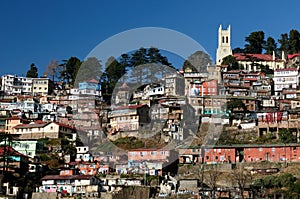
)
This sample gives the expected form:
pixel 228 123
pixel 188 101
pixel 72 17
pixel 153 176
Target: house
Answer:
pixel 151 161
pixel 11 122
pixel 174 85
pixel 41 86
pixel 90 87
pixel 254 62
pixel 83 154
pixel 71 184
pixel 18 162
pixel 204 88
pixel 40 129
pixel 272 153
pixel 128 119
pixel 207 154
pixel 287 78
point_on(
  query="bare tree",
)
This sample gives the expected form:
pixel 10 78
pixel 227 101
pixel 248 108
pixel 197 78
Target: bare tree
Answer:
pixel 241 178
pixel 53 69
pixel 211 178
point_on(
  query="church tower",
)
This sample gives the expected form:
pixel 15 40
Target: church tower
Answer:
pixel 224 46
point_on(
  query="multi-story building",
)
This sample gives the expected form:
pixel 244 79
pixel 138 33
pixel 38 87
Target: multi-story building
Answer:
pixel 129 118
pixel 287 78
pixel 41 129
pixel 253 62
pixel 40 86
pixel 148 160
pixel 14 85
pixel 174 85
pixel 69 183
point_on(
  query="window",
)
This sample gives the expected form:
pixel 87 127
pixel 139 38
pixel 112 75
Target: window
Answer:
pixel 207 157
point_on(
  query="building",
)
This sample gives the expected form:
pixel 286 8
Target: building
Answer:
pixel 68 183
pixel 41 86
pixel 91 87
pixel 151 161
pixel 255 62
pixel 224 44
pixel 129 119
pixel 18 162
pixel 40 129
pixel 287 78
pixel 174 85
pixel 14 85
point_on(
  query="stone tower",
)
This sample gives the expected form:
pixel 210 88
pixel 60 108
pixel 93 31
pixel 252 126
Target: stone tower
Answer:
pixel 224 46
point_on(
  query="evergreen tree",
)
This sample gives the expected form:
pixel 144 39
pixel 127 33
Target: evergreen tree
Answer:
pixel 70 69
pixel 294 42
pixel 89 69
pixel 284 43
pixel 110 78
pixel 256 42
pixel 32 72
pixel 231 62
pixel 138 59
pixel 271 46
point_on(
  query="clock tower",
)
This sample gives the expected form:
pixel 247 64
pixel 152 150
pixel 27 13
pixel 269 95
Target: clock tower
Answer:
pixel 224 46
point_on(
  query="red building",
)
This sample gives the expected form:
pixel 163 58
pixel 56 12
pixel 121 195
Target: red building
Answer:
pixel 206 88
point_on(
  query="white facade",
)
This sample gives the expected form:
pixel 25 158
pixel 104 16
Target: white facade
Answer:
pixel 40 86
pixel 14 85
pixel 224 44
pixel 285 79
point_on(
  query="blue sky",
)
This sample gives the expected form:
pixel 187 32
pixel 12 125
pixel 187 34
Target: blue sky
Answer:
pixel 40 31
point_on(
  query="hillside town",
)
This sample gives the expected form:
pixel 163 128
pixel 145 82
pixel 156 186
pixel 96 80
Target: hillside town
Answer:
pixel 205 131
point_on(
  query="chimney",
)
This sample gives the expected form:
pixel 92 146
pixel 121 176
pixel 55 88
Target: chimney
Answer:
pixel 283 56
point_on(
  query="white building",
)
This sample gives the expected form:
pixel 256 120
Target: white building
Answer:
pixel 40 86
pixel 13 85
pixel 287 78
pixel 224 44
pixel 83 154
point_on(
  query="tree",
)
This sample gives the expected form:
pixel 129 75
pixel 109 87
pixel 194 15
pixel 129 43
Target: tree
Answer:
pixel 32 72
pixel 211 177
pixel 286 136
pixel 294 42
pixel 155 57
pixel 271 46
pixel 238 50
pixel 53 69
pixel 231 62
pixel 70 69
pixel 89 69
pixel 241 178
pixel 138 59
pixel 110 78
pixel 256 42
pixel 284 43
pixel 235 104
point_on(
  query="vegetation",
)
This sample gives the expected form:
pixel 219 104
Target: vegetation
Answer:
pixel 231 62
pixel 32 72
pixel 129 143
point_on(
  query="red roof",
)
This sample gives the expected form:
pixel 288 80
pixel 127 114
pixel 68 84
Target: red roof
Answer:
pixel 10 151
pixel 93 81
pixel 65 125
pixel 291 56
pixel 130 107
pixel 70 177
pixel 259 57
pixel 286 69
